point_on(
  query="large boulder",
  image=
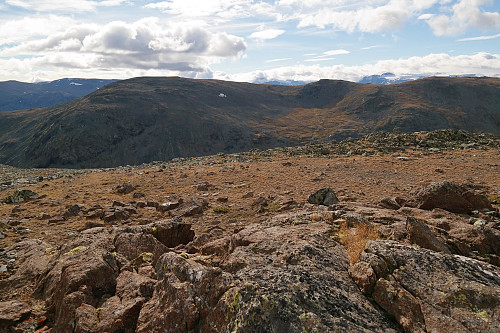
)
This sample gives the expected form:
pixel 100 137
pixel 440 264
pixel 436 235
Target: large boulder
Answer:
pixel 429 291
pixel 274 278
pixel 325 196
pixel 449 196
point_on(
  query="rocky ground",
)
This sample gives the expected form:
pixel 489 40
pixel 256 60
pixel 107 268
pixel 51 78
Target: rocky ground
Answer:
pixel 406 240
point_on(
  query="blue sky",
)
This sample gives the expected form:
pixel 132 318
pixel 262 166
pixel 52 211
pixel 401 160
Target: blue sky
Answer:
pixel 247 40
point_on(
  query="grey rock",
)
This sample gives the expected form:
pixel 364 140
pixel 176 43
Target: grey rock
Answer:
pixel 324 196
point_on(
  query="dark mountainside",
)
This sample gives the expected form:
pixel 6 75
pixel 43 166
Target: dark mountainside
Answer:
pixel 15 95
pixel 145 119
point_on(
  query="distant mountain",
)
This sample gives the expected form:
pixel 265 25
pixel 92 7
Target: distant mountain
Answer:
pixel 391 78
pixel 145 119
pixel 283 82
pixel 16 95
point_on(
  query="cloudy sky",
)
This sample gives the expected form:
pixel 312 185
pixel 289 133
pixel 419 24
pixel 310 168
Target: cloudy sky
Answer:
pixel 247 40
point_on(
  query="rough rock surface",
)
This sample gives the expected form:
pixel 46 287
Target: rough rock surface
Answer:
pixel 449 196
pixel 325 196
pixel 428 291
pixel 278 278
pixel 265 262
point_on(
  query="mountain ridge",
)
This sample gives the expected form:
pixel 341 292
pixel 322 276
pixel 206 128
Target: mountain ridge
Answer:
pixel 145 119
pixel 16 95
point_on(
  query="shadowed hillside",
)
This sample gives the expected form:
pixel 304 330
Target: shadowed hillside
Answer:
pixel 145 119
pixel 15 95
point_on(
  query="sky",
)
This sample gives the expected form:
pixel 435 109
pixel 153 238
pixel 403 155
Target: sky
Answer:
pixel 247 40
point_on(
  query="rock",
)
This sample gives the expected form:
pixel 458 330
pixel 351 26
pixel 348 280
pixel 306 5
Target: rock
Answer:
pixel 3 235
pixel 288 204
pixel 58 219
pixel 170 205
pixel 139 248
pixel 115 214
pixel 364 276
pixel 419 233
pixel 33 259
pixel 152 204
pixel 390 203
pixel 20 196
pixel 44 216
pixel 138 195
pixel 429 291
pixel 325 197
pixel 12 312
pixel 72 210
pixel 95 213
pixel 282 278
pixel 205 186
pixel 172 234
pixel 449 196
pixel 120 312
pixel 192 207
pixel 184 299
pixel 401 304
pixel 86 319
pixel 125 188
pixel 92 224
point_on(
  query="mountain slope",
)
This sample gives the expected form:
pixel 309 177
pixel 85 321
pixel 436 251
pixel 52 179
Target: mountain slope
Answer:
pixel 16 95
pixel 145 119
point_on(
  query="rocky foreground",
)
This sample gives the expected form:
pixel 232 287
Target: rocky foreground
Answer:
pixel 392 233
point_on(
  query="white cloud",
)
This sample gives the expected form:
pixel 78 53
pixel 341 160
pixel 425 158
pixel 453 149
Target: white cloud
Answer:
pixel 381 15
pixel 373 47
pixel 142 45
pixel 15 31
pixel 267 34
pixel 479 38
pixel 58 5
pixel 465 14
pixel 278 60
pixel 319 59
pixel 432 64
pixel 336 52
pixel 215 9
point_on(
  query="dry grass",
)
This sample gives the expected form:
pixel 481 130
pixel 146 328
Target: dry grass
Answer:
pixel 355 238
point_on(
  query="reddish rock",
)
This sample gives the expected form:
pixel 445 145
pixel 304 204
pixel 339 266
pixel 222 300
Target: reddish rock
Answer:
pixel 364 276
pixel 86 319
pixel 449 196
pixel 120 312
pixel 419 233
pixel 431 291
pixel 401 304
pixel 184 299
pixel 192 207
pixel 115 214
pixel 12 312
pixel 125 188
pixel 135 246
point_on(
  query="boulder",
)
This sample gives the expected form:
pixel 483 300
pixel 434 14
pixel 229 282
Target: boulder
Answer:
pixel 449 196
pixel 324 196
pixel 274 278
pixel 125 188
pixel 429 291
pixel 192 207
